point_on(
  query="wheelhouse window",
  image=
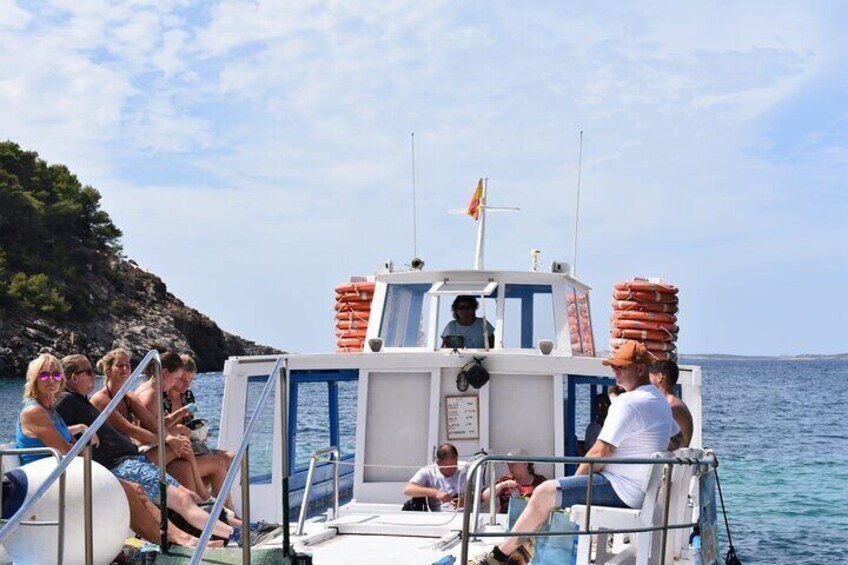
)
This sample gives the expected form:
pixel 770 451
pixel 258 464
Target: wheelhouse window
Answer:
pixel 528 315
pixel 406 315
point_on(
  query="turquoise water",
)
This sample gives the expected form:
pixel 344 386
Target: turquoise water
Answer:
pixel 777 427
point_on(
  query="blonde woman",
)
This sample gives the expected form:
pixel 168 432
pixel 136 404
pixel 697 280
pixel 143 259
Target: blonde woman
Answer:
pixel 39 425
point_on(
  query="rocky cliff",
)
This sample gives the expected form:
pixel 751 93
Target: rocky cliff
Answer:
pixel 143 315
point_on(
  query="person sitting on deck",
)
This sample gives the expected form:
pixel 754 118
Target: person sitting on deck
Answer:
pixel 181 396
pixel 664 375
pixel 211 468
pixel 466 324
pixel 116 369
pixel 441 483
pixel 40 426
pixel 120 455
pixel 521 480
pixel 639 424
pixel 602 404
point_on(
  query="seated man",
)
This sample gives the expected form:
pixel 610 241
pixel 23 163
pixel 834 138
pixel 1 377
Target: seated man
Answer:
pixel 664 375
pixel 441 483
pixel 639 424
pixel 465 323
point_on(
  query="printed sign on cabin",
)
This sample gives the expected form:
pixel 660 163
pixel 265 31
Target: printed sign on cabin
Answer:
pixel 463 417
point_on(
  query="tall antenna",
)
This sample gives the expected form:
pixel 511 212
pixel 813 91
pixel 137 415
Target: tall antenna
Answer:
pixel 577 210
pixel 414 207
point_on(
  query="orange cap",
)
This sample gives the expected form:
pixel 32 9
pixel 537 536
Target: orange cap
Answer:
pixel 630 352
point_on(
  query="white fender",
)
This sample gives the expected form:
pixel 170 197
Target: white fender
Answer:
pixel 37 545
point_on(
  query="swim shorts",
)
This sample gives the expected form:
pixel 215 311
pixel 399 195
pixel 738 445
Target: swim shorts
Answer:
pixel 139 470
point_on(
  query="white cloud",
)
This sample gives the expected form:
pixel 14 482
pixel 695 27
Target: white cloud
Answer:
pixel 284 128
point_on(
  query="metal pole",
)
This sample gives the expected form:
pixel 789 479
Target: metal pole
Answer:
pixel 283 392
pixel 589 496
pixel 664 538
pixel 492 494
pixel 336 457
pixel 466 513
pixel 87 508
pixel 245 507
pixel 60 555
pixel 481 227
pixel 163 486
pixel 478 488
pixel 304 504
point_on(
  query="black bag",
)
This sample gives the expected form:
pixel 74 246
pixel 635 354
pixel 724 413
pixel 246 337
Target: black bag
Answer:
pixel 417 504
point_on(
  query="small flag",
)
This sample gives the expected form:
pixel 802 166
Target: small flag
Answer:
pixel 474 204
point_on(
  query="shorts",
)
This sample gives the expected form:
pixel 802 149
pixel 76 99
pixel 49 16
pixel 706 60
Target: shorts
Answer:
pixel 572 490
pixel 139 470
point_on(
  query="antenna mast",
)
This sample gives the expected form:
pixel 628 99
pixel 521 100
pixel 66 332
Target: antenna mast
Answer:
pixel 577 209
pixel 414 207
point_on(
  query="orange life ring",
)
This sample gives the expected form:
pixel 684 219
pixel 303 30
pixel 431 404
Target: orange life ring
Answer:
pixel 347 296
pixel 647 316
pixel 615 343
pixel 644 335
pixel 350 342
pixel 359 334
pixel 349 350
pixel 644 296
pixel 662 355
pixel 350 315
pixel 646 286
pixel 625 305
pixel 356 306
pixel 645 325
pixel 351 325
pixel 356 287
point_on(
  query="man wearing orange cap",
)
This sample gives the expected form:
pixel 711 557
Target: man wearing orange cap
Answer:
pixel 639 423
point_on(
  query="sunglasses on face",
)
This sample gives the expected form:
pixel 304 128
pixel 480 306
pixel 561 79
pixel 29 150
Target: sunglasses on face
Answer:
pixel 465 307
pixel 89 372
pixel 46 376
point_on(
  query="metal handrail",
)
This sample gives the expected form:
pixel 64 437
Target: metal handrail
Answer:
pixel 304 504
pixel 471 488
pixel 80 444
pixel 239 464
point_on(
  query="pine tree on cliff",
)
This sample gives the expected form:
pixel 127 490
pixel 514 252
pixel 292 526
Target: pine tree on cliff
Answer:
pixel 54 238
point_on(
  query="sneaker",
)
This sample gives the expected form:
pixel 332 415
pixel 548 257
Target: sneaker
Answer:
pixel 260 538
pixel 487 558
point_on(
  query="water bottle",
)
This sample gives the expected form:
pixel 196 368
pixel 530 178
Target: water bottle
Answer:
pixel 696 549
pixel 191 407
pixel 446 560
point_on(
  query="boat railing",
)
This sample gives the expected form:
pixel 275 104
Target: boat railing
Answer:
pixel 241 464
pixel 60 516
pixel 333 453
pixel 473 485
pixel 83 443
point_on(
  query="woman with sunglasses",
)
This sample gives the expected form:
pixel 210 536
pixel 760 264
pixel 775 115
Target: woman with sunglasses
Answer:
pixel 39 425
pixel 466 324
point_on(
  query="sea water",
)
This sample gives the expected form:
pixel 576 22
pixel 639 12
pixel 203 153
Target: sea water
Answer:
pixel 777 427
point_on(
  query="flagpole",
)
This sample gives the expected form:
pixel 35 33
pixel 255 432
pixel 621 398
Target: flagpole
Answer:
pixel 481 227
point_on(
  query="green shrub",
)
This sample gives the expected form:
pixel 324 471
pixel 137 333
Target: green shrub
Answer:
pixel 37 293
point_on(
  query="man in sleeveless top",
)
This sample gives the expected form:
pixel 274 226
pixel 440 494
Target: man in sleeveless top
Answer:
pixel 639 423
pixel 664 375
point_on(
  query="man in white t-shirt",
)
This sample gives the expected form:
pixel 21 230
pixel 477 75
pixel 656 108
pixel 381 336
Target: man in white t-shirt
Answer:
pixel 639 423
pixel 441 483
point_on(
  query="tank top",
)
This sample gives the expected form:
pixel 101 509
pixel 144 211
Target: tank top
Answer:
pixel 24 441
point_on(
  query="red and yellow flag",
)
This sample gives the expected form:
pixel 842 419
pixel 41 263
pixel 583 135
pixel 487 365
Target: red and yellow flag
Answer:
pixel 474 204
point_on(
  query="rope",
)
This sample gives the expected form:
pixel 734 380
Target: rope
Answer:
pixel 730 558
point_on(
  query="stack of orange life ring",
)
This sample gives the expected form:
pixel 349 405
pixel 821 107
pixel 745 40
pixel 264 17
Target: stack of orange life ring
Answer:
pixel 645 311
pixel 580 324
pixel 353 309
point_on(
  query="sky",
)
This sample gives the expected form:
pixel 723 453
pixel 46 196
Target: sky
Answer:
pixel 257 154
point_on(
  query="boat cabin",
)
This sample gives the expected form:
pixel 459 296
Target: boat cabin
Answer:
pixel 390 406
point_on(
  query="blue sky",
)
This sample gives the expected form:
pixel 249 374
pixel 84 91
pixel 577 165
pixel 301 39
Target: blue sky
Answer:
pixel 256 154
